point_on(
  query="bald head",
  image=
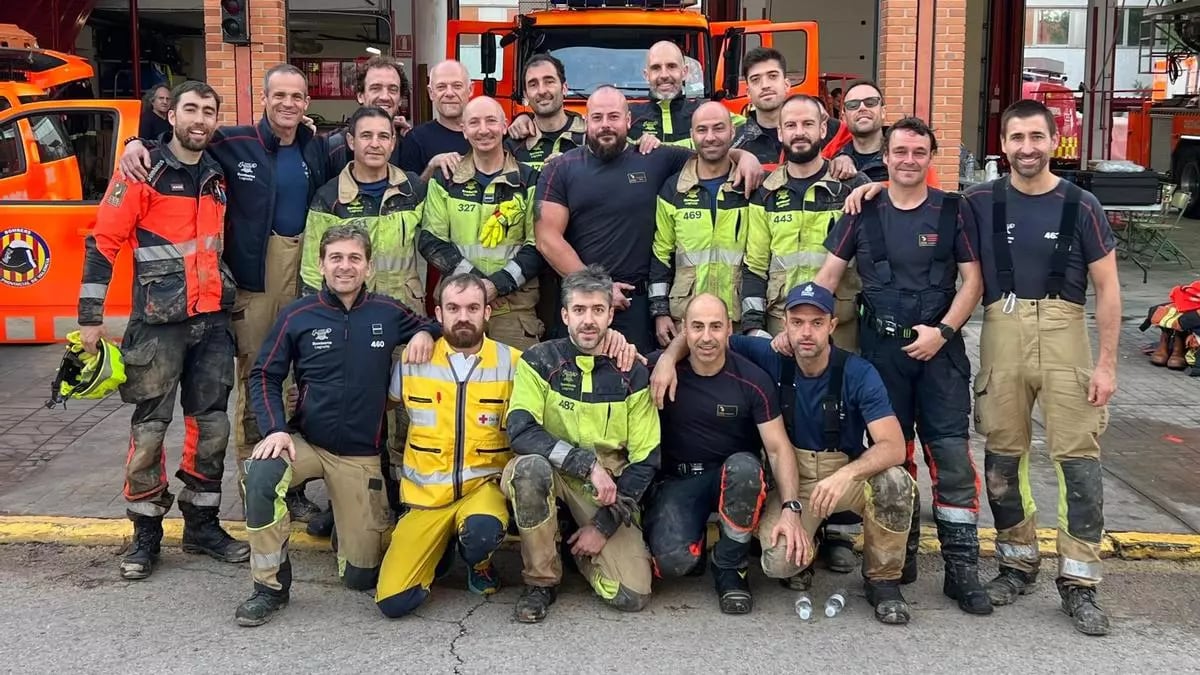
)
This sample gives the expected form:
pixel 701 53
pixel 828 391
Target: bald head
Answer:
pixel 706 305
pixel 484 126
pixel 483 105
pixel 706 326
pixel 711 112
pixel 449 88
pixel 449 68
pixel 666 70
pixel 712 134
pixel 607 122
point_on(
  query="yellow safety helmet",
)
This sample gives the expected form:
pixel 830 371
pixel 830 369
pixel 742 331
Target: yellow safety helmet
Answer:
pixel 87 376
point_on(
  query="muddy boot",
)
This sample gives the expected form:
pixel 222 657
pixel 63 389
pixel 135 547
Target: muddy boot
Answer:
pixel 139 562
pixel 534 602
pixel 1161 353
pixel 733 590
pixel 321 525
pixel 890 605
pixel 960 556
pixel 202 533
pixel 259 608
pixel 912 547
pixel 799 582
pixel 1178 358
pixel 1079 602
pixel 299 506
pixel 839 556
pixel 1008 584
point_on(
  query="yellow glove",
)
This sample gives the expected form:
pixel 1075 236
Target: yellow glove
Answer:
pixel 493 231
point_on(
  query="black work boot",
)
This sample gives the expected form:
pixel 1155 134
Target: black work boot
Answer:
pixel 839 556
pixel 799 582
pixel 321 525
pixel 143 551
pixel 1079 602
pixel 258 608
pixel 889 603
pixel 733 590
pixel 533 603
pixel 1008 584
pixel 202 533
pixel 299 506
pixel 962 584
pixel 912 547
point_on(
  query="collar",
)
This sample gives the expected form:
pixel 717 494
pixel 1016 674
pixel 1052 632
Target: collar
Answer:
pixel 443 350
pixel 208 166
pixel 690 178
pixel 271 142
pixel 328 297
pixel 779 178
pixel 575 125
pixel 510 170
pixel 348 187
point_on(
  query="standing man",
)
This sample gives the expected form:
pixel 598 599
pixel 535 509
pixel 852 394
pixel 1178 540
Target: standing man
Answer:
pixel 438 145
pixel 154 122
pixel 668 112
pixel 829 400
pixel 480 220
pixel 588 434
pixel 765 71
pixel 339 344
pixel 178 333
pixel 273 170
pixel 701 227
pixel 863 112
pixel 381 84
pixel 911 246
pixel 454 453
pixel 1042 239
pixel 554 128
pixel 578 188
pixel 725 410
pixel 835 102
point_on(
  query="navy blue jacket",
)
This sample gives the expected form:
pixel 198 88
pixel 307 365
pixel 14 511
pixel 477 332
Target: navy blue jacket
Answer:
pixel 247 155
pixel 342 361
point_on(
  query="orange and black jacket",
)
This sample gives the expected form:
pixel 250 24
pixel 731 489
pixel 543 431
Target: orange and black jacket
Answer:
pixel 176 226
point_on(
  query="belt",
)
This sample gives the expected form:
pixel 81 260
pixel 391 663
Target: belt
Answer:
pixel 690 468
pixel 886 325
pixel 639 288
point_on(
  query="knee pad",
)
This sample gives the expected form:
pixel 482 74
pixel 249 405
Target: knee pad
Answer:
pixel 149 434
pixel 479 537
pixel 677 562
pixel 1084 488
pixel 628 601
pixel 358 578
pixel 892 498
pixel 403 603
pixel 1002 474
pixel 742 494
pixel 261 490
pixel 955 471
pixel 530 487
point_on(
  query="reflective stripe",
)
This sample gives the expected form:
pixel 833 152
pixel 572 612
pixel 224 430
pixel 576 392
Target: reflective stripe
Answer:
pixel 708 256
pixel 97 291
pixel 394 471
pixel 1017 551
pixel 558 454
pixel 480 252
pixel 659 290
pixel 464 267
pixel 446 477
pixel 165 251
pixel 954 514
pixel 1078 569
pixel 502 372
pixel 787 261
pixel 263 561
pixel 514 271
pixel 422 418
pixel 428 370
pixel 145 509
pixel 190 496
pixel 754 305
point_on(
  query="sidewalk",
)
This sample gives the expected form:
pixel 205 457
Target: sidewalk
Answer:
pixel 70 462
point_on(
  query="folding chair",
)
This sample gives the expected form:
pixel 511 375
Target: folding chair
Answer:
pixel 1148 240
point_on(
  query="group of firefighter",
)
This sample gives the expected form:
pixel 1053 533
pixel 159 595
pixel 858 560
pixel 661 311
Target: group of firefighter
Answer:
pixel 638 326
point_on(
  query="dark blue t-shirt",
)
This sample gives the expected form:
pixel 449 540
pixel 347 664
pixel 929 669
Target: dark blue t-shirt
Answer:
pixel 484 179
pixel 291 191
pixel 713 185
pixel 863 393
pixel 373 189
pixel 427 140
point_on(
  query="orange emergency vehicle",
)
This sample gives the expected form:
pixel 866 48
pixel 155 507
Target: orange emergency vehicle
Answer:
pixel 56 158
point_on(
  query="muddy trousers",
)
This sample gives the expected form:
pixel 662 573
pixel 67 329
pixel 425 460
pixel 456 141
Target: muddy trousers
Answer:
pixel 475 525
pixel 884 501
pixel 619 574
pixel 679 508
pixel 518 328
pixel 195 358
pixel 932 399
pixel 1040 352
pixel 360 508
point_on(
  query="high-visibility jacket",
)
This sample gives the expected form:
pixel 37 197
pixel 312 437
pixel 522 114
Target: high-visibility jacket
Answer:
pixel 537 150
pixel 391 220
pixel 457 212
pixel 670 121
pixel 693 253
pixel 456 436
pixel 786 243
pixel 176 224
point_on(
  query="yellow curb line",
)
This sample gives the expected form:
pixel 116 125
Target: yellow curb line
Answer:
pixel 71 531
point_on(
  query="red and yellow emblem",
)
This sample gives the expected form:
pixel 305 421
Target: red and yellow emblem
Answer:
pixel 24 257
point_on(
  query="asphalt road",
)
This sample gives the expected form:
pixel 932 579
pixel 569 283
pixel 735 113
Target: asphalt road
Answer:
pixel 66 609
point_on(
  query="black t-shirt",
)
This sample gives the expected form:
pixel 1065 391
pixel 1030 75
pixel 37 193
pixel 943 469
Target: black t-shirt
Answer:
pixel 152 127
pixel 1033 223
pixel 715 416
pixel 427 140
pixel 612 204
pixel 911 237
pixel 800 186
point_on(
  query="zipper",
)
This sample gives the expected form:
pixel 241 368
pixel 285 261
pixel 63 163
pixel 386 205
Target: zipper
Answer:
pixel 459 430
pixel 345 364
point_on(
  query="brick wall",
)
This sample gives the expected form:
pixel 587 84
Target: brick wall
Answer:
pixel 903 25
pixel 236 72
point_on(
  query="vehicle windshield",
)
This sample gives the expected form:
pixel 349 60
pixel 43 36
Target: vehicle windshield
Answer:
pixel 597 56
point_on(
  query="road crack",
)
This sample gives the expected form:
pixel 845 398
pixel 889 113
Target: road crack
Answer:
pixel 462 631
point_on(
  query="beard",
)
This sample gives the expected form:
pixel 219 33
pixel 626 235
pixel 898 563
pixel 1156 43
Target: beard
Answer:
pixel 464 335
pixel 802 156
pixel 606 152
pixel 185 139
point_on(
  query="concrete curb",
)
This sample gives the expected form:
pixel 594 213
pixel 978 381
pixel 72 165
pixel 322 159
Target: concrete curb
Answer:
pixel 70 531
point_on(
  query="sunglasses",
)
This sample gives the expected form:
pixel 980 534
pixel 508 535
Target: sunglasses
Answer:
pixel 870 102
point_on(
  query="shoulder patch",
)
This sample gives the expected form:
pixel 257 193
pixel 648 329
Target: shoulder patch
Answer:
pixel 117 195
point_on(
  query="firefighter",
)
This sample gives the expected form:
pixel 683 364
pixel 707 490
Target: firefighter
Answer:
pixel 339 342
pixel 451 503
pixel 911 245
pixel 765 72
pixel 701 227
pixel 588 434
pixel 829 400
pixel 667 114
pixel 863 113
pixel 178 337
pixel 725 410
pixel 381 83
pixel 550 129
pixel 438 145
pixel 480 220
pixel 1042 238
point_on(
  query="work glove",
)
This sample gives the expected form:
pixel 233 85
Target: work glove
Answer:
pixel 505 215
pixel 624 509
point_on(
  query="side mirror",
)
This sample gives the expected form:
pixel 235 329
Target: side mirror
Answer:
pixel 487 53
pixel 731 80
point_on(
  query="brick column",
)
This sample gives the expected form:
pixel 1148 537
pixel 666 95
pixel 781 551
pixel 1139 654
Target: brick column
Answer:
pixel 921 62
pixel 236 72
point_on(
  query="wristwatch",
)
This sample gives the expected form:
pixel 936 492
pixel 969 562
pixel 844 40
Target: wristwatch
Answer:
pixel 793 505
pixel 946 330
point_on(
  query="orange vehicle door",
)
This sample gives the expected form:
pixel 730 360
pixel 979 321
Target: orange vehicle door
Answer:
pixel 467 41
pixel 796 39
pixel 56 159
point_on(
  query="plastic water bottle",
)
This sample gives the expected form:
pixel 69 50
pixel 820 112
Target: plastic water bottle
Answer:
pixel 991 170
pixel 804 607
pixel 835 603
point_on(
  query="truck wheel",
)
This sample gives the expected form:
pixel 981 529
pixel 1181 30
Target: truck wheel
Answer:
pixel 1189 179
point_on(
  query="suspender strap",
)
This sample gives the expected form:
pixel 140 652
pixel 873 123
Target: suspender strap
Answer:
pixel 947 228
pixel 832 409
pixel 787 394
pixel 1066 237
pixel 872 225
pixel 1004 263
